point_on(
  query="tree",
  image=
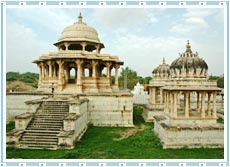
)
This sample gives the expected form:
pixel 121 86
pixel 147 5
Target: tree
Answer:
pixel 219 79
pixel 128 78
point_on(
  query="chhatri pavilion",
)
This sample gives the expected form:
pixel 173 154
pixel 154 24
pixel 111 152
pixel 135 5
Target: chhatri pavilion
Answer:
pixel 78 54
pixel 183 103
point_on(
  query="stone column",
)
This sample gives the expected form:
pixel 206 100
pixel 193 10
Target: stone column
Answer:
pixel 165 101
pixel 186 107
pixel 50 69
pixel 94 65
pixel 198 102
pixel 83 44
pixel 161 97
pixel 175 104
pixel 108 70
pixel 202 105
pixel 214 105
pixel 117 66
pixel 209 104
pixel 222 100
pixel 54 71
pixel 153 95
pixel 171 111
pixel 66 45
pixel 79 72
pixel 60 74
pixel 98 48
pixel 40 73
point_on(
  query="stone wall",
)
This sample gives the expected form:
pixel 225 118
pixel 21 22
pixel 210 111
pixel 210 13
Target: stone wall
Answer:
pixel 110 109
pixel 140 99
pixel 15 104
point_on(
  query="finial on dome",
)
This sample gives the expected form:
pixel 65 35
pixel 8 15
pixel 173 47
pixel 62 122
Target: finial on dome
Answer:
pixel 163 60
pixel 80 18
pixel 188 44
pixel 188 47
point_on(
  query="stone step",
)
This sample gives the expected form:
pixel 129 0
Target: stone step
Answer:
pixel 51 114
pixel 39 139
pixel 44 128
pixel 51 120
pixel 39 142
pixel 29 134
pixel 38 136
pixel 38 131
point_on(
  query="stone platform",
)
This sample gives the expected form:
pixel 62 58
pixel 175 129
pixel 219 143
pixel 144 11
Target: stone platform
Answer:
pixel 188 136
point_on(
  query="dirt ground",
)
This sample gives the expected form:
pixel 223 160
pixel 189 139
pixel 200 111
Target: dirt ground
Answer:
pixel 130 132
pixel 18 86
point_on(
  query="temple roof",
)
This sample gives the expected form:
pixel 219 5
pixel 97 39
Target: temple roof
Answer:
pixel 162 68
pixel 79 32
pixel 189 60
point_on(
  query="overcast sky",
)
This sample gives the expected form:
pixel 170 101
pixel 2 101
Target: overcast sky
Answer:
pixel 140 37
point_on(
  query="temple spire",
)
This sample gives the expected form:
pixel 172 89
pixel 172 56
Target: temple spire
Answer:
pixel 80 18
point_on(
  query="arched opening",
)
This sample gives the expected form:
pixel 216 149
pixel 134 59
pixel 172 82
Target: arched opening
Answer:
pixel 113 76
pixel 75 47
pixel 87 72
pixel 90 48
pixel 73 75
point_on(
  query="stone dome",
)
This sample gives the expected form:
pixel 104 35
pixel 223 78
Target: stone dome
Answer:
pixel 79 32
pixel 189 65
pixel 162 70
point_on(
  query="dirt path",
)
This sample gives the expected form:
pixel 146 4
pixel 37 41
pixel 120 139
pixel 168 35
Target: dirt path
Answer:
pixel 130 132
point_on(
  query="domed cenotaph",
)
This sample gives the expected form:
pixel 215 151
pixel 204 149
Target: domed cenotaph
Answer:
pixel 186 111
pixel 78 54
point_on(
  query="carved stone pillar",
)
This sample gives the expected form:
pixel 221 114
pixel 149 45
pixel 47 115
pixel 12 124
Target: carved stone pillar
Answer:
pixel 66 45
pixel 94 65
pixel 202 105
pixel 117 66
pixel 98 48
pixel 214 105
pixel 209 104
pixel 186 107
pixel 50 69
pixel 40 73
pixel 175 96
pixel 83 44
pixel 171 111
pixel 108 69
pixel 79 72
pixel 198 102
pixel 60 74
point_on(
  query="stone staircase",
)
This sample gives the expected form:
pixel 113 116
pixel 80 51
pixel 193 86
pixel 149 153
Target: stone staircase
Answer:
pixel 46 124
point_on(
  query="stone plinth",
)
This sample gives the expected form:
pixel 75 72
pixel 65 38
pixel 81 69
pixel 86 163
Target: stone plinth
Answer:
pixel 190 136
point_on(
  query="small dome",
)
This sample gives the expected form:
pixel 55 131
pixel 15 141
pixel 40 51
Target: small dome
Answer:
pixel 79 31
pixel 189 65
pixel 162 70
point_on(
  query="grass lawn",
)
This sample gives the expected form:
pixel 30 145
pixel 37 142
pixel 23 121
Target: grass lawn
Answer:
pixel 118 143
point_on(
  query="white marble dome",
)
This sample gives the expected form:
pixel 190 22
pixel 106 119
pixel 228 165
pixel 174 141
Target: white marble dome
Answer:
pixel 79 31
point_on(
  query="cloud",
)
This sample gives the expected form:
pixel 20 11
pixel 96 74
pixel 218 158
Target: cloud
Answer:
pixel 22 47
pixel 143 54
pixel 194 20
pixel 121 19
